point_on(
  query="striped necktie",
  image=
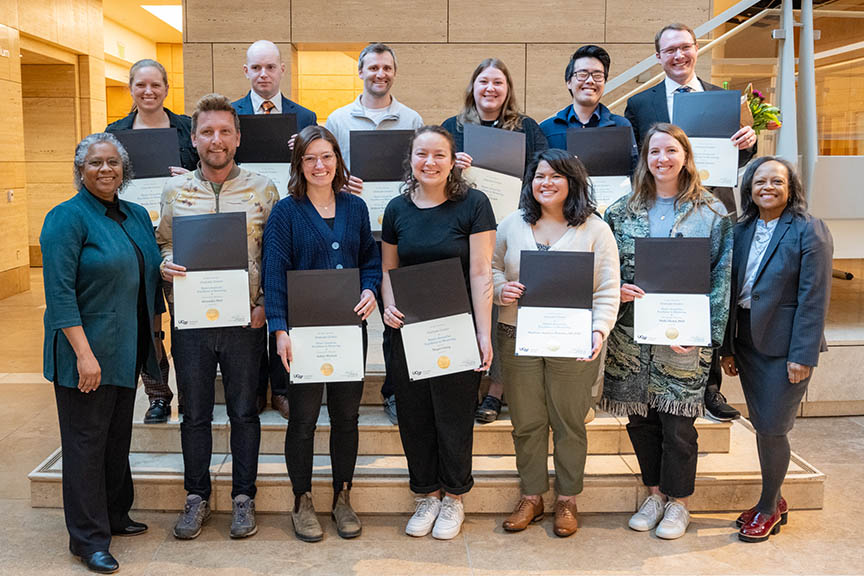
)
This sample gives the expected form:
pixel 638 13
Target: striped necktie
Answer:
pixel 267 106
pixel 683 89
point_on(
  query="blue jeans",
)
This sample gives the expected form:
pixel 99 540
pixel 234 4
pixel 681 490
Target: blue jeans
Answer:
pixel 237 351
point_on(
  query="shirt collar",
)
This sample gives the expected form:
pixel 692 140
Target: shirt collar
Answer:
pixel 360 110
pixel 257 100
pixel 672 85
pixel 573 118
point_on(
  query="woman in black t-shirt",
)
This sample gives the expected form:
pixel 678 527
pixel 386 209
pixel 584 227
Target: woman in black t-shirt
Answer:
pixel 438 217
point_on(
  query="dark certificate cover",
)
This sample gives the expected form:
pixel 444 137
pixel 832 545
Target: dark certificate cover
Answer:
pixel 211 241
pixel 264 137
pixel 557 279
pixel 673 265
pixel 496 149
pixel 603 151
pixel 151 151
pixel 712 114
pixel 379 155
pixel 429 291
pixel 323 297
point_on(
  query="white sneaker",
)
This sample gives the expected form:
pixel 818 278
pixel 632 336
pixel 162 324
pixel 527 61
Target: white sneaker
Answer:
pixel 649 514
pixel 424 516
pixel 675 521
pixel 449 521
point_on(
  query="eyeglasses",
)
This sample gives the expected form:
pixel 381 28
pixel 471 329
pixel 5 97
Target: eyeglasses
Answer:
pixel 684 48
pixel 582 75
pixel 312 160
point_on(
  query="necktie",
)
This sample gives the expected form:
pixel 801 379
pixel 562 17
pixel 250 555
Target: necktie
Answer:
pixel 267 106
pixel 680 90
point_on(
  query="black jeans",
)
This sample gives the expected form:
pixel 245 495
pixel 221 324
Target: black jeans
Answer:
pixel 436 424
pixel 343 409
pixel 666 447
pixel 272 371
pixel 95 432
pixel 237 351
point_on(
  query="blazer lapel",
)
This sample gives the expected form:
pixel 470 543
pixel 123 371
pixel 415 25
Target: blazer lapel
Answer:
pixel 661 110
pixel 287 106
pixel 782 227
pixel 741 249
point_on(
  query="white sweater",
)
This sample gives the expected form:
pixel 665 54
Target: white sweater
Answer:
pixel 515 235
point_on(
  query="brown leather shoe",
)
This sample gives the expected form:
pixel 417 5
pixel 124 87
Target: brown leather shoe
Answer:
pixel 566 521
pixel 280 403
pixel 525 513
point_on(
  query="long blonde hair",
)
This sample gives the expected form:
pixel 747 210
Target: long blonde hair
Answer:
pixel 509 118
pixel 690 187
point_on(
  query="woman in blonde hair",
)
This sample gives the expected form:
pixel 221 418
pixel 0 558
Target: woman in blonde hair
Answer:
pixel 490 101
pixel 661 388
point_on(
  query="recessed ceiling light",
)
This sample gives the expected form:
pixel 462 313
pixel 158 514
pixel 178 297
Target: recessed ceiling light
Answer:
pixel 171 15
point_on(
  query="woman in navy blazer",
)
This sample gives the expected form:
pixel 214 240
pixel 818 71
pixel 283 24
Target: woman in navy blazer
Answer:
pixel 101 272
pixel 317 227
pixel 781 286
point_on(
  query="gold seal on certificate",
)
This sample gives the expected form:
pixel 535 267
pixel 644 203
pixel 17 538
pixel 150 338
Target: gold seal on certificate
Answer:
pixel 154 215
pixel 212 314
pixel 443 362
pixel 327 369
pixel 704 175
pixel 553 345
pixel 672 333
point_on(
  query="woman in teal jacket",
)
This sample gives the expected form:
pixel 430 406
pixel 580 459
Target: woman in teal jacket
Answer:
pixel 101 272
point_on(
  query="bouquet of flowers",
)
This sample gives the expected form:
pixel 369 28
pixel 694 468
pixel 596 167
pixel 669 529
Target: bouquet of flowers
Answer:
pixel 766 116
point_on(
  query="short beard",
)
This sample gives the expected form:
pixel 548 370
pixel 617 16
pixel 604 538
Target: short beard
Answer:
pixel 217 166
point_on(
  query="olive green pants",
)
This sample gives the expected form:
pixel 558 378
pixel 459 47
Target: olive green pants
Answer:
pixel 544 392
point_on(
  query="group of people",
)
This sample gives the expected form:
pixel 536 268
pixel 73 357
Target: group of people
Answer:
pixel 769 291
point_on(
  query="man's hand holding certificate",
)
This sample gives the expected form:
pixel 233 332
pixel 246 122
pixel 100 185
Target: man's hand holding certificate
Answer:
pixel 497 166
pixel 438 334
pixel 554 317
pixel 606 154
pixel 214 291
pixel 152 152
pixel 326 336
pixel 264 146
pixel 376 158
pixel 674 277
pixel 710 119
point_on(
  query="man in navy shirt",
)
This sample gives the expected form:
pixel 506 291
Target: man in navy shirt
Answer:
pixel 585 77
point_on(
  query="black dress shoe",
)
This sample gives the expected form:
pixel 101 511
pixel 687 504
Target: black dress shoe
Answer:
pixel 716 407
pixel 101 562
pixel 488 410
pixel 158 413
pixel 131 529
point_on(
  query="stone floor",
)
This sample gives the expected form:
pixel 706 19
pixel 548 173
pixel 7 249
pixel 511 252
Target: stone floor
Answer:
pixel 33 541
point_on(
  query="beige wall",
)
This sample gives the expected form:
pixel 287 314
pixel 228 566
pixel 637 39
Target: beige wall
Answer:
pixel 438 42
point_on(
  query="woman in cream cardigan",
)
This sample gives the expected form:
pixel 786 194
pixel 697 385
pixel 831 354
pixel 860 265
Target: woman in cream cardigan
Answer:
pixel 556 213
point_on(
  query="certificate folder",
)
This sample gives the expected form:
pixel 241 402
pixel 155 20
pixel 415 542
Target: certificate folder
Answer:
pixel 604 151
pixel 379 155
pixel 438 336
pixel 554 316
pixel 496 149
pixel 211 241
pixel 264 137
pixel 675 274
pixel 151 153
pixel 673 265
pixel 326 334
pixel 711 114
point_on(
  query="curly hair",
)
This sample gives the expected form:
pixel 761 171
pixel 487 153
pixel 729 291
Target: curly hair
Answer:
pixel 510 119
pixel 297 183
pixel 579 204
pixel 457 187
pixel 796 202
pixel 83 149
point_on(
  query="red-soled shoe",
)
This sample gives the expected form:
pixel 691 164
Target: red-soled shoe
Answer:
pixel 747 515
pixel 760 527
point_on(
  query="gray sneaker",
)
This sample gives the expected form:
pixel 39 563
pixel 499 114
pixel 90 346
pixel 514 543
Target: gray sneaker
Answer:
pixel 649 514
pixel 194 515
pixel 243 524
pixel 390 409
pixel 306 525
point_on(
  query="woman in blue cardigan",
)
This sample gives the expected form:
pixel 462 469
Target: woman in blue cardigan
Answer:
pixel 318 228
pixel 101 271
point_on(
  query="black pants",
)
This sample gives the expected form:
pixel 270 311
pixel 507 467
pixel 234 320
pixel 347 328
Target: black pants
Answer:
pixel 272 371
pixel 237 351
pixel 387 388
pixel 436 424
pixel 666 448
pixel 95 432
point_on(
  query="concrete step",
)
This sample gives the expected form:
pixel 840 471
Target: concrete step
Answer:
pixel 606 434
pixel 726 482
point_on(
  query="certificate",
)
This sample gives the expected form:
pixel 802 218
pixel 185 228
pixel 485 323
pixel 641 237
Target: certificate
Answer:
pixel 608 189
pixel 439 336
pixel 148 193
pixel 278 172
pixel 211 299
pixel 675 274
pixel 265 138
pixel 682 319
pixel 710 119
pixel 607 154
pixel 215 291
pixel 326 354
pixel 497 166
pixel 554 317
pixel 502 189
pixel 377 158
